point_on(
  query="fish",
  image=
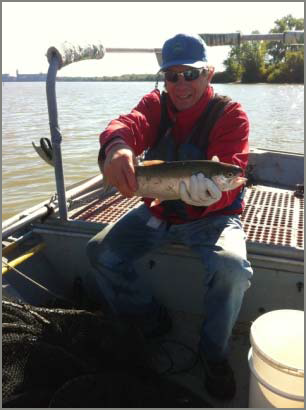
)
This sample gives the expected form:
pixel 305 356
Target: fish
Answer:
pixel 160 180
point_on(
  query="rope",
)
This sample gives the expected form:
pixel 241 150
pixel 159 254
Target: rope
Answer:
pixel 35 283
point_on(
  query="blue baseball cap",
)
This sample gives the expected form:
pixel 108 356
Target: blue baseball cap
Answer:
pixel 184 49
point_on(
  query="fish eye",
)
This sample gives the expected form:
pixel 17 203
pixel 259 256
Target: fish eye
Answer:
pixel 230 174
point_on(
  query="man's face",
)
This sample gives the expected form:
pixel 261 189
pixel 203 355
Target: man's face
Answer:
pixel 184 94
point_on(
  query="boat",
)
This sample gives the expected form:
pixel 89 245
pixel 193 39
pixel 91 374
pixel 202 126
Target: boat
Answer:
pixel 44 247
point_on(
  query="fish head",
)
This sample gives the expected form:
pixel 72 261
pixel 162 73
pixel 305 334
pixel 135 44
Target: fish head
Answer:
pixel 229 179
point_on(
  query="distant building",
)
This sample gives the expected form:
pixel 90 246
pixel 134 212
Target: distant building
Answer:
pixel 7 77
pixel 30 77
pixel 24 77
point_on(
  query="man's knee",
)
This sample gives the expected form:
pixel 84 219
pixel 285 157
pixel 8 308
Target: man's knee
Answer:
pixel 234 270
pixel 97 244
pixel 92 251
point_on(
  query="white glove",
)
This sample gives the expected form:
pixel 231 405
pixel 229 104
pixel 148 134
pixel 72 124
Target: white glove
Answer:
pixel 202 191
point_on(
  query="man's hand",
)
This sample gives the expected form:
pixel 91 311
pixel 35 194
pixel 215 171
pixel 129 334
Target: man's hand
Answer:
pixel 119 170
pixel 202 191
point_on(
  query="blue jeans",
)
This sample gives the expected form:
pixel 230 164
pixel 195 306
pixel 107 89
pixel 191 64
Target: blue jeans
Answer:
pixel 218 240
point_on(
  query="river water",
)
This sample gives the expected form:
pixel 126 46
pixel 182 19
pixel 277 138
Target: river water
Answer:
pixel 276 114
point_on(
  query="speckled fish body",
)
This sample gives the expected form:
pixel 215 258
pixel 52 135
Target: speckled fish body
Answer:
pixel 158 179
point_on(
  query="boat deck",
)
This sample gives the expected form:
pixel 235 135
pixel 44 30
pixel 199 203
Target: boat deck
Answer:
pixel 271 216
pixel 175 356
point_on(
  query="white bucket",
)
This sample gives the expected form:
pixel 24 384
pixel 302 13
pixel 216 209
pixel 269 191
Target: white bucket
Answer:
pixel 276 360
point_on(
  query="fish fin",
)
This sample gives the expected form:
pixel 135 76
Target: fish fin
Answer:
pixel 215 158
pixel 152 162
pixel 107 188
pixel 156 202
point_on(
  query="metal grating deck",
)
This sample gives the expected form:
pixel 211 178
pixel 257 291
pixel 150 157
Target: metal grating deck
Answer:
pixel 271 216
pixel 106 210
pixel 274 216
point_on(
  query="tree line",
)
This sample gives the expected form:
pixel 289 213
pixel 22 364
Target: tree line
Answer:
pixel 262 61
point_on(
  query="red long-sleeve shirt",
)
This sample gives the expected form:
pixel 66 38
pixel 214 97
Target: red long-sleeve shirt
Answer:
pixel 228 139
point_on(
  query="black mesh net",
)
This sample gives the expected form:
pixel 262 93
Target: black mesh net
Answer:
pixel 67 358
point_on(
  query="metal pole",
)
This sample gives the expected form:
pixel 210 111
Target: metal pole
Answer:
pixel 56 137
pixel 224 39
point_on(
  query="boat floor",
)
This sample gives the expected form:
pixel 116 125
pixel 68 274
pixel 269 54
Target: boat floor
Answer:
pixel 272 216
pixel 187 369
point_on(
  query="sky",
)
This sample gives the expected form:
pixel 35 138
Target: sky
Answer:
pixel 29 29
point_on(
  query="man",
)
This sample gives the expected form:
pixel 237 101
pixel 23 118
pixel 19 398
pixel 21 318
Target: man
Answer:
pixel 187 122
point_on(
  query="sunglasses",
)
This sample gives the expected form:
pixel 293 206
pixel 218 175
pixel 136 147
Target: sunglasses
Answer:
pixel 189 75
